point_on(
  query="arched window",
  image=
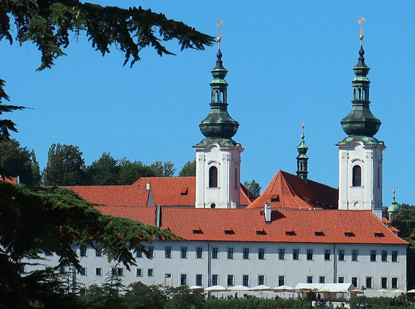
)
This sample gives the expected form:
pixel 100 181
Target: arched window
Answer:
pixel 357 176
pixel 213 177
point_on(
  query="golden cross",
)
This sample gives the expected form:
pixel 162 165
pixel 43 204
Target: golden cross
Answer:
pixel 361 21
pixel 219 37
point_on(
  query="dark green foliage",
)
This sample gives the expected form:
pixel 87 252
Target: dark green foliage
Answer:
pixel 18 161
pixel 253 187
pixel 379 302
pixel 103 171
pixel 189 169
pixel 38 220
pixel 6 125
pixel 405 222
pixel 140 295
pixel 184 298
pixel 255 303
pixel 163 169
pixel 51 25
pixel 131 171
pixel 65 166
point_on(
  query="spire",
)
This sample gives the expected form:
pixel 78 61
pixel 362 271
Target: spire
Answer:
pixel 360 121
pixel 302 158
pixel 395 207
pixel 218 124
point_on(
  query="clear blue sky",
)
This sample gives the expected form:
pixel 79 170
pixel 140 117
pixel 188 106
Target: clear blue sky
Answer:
pixel 289 62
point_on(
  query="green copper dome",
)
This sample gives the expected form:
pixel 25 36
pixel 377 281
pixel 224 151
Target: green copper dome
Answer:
pixel 360 121
pixel 218 124
pixel 395 207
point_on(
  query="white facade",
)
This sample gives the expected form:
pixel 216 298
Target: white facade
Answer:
pixel 176 263
pixel 364 192
pixel 218 176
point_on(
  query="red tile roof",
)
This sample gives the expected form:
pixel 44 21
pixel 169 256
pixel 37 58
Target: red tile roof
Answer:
pixel 289 191
pixel 8 179
pixel 246 222
pixel 167 191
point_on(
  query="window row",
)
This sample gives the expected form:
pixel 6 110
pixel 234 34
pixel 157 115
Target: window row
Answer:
pixel 260 254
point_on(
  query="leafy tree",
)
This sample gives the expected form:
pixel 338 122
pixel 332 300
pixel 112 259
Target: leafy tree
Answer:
pixel 253 187
pixel 131 171
pixel 104 171
pixel 6 125
pixel 65 166
pixel 140 295
pixel 38 220
pixel 18 161
pixel 405 222
pixel 189 169
pixel 165 169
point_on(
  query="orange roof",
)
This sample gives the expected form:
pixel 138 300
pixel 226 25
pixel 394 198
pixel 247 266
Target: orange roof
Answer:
pixel 289 191
pixel 8 179
pixel 287 225
pixel 166 191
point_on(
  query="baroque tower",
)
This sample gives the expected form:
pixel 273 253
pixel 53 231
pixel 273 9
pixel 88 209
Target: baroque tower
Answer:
pixel 302 158
pixel 360 153
pixel 218 156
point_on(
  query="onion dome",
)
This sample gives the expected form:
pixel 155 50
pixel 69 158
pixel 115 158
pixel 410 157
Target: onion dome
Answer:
pixel 218 124
pixel 360 121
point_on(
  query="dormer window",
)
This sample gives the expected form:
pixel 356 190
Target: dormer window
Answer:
pixel 228 231
pixel 197 230
pixel 261 232
pixel 319 233
pixel 213 177
pixel 184 190
pixel 290 232
pixel 357 176
pixel 379 234
pixel 349 234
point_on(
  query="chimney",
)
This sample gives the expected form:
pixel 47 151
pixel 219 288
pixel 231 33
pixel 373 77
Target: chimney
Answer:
pixel 267 212
pixel 158 216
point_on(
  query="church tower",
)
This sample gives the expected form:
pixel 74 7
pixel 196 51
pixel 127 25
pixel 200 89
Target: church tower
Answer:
pixel 218 156
pixel 360 153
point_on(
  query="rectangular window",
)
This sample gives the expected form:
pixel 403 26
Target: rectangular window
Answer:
pixel 245 280
pixel 139 272
pixel 281 254
pixel 341 280
pixel 82 250
pixel 139 253
pixel 82 271
pixel 355 254
pixel 117 271
pixel 214 279
pixel 98 271
pixel 261 280
pixel 296 254
pixel 199 251
pixel 199 280
pixel 167 252
pixel 215 253
pixel 230 253
pixel 341 255
pixel 322 279
pixel 394 256
pixel 394 283
pixel 327 255
pixel 183 279
pixel 230 280
pixel 150 252
pixel 245 253
pixel 373 255
pixel 261 253
pixel 384 256
pixel 309 279
pixel 368 282
pixel 384 281
pixel 354 281
pixel 150 272
pixel 98 252
pixel 281 280
pixel 183 253
pixel 309 254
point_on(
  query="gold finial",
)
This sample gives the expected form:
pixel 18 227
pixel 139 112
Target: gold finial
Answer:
pixel 219 37
pixel 303 126
pixel 394 191
pixel 361 21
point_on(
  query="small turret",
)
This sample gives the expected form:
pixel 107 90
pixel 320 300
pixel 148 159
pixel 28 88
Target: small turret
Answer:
pixel 394 208
pixel 302 158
